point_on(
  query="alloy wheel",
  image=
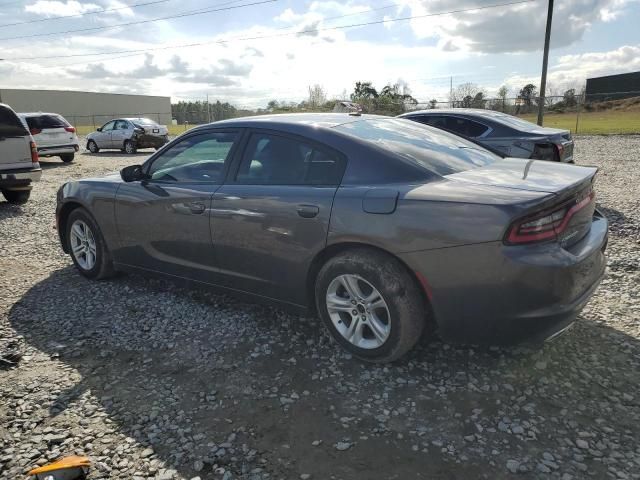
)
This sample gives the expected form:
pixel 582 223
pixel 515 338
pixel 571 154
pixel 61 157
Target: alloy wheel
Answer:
pixel 83 245
pixel 358 311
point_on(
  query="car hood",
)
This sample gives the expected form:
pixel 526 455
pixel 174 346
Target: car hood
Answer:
pixel 532 175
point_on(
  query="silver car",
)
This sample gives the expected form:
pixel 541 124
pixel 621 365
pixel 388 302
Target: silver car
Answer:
pixel 128 135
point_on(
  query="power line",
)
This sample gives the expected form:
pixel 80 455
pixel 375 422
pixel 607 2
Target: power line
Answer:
pixel 106 10
pixel 139 22
pixel 261 37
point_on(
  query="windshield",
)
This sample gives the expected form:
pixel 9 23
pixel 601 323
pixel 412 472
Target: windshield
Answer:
pixel 432 149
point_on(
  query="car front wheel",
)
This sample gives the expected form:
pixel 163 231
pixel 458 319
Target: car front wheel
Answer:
pixel 92 146
pixel 67 157
pixel 87 247
pixel 370 304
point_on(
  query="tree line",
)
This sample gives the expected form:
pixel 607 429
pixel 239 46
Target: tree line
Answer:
pixel 392 99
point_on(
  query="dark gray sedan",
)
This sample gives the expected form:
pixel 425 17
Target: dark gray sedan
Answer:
pixel 379 225
pixel 508 135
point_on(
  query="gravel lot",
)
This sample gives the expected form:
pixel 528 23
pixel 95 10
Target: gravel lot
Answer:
pixel 152 381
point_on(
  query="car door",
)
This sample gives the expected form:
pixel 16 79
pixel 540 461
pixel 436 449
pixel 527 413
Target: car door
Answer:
pixel 163 221
pixel 123 130
pixel 272 216
pixel 103 137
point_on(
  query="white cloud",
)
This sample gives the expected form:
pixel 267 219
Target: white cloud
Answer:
pixel 54 8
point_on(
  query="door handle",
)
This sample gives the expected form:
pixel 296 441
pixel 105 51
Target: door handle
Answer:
pixel 308 211
pixel 197 207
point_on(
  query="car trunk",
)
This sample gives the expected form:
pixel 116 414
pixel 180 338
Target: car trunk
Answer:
pixel 50 130
pixel 573 200
pixel 15 149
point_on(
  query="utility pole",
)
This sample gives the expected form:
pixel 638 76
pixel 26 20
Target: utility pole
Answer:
pixel 208 110
pixel 451 91
pixel 545 60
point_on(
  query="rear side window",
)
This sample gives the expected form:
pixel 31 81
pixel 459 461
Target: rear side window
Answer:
pixel 10 124
pixel 277 160
pixel 46 121
pixel 465 127
pixel 433 150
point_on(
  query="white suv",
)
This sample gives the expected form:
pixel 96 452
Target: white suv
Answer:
pixel 19 165
pixel 54 136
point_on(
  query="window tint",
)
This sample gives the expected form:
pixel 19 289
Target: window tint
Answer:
pixel 465 127
pixel 10 124
pixel 108 126
pixel 435 150
pixel 199 158
pixel 47 121
pixel 275 160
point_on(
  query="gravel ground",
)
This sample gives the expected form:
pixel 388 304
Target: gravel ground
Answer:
pixel 152 381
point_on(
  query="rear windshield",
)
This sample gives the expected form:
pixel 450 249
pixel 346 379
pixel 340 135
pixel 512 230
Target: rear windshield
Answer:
pixel 429 148
pixel 143 121
pixel 47 121
pixel 10 124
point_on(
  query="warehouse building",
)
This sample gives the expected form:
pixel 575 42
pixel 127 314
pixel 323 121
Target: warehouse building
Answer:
pixel 613 87
pixel 88 108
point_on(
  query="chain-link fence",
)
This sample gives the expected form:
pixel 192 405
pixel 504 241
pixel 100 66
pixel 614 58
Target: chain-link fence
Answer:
pixel 609 113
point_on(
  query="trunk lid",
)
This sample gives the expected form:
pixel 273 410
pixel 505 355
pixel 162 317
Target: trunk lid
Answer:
pixel 572 188
pixel 532 175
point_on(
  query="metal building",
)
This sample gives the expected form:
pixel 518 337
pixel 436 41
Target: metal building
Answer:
pixel 88 108
pixel 625 85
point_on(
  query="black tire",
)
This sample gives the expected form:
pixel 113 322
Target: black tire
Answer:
pixel 130 147
pixel 103 267
pixel 406 305
pixel 92 146
pixel 16 197
pixel 67 157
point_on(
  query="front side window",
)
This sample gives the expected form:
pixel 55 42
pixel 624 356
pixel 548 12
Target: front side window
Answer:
pixel 275 160
pixel 108 126
pixel 199 158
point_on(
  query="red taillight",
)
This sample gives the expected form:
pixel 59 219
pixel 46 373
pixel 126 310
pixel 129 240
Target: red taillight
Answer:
pixel 35 131
pixel 546 225
pixel 560 149
pixel 70 129
pixel 34 152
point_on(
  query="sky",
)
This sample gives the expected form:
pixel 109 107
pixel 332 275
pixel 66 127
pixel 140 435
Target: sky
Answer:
pixel 248 52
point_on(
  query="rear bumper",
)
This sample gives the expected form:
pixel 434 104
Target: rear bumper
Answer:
pixel 19 179
pixel 497 294
pixel 58 150
pixel 151 141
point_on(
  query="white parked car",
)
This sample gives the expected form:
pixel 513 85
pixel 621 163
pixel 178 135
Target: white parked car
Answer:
pixel 19 165
pixel 54 136
pixel 128 135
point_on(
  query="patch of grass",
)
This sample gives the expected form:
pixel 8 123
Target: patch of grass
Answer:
pixel 592 123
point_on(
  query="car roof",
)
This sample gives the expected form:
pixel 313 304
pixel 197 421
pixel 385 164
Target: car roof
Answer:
pixel 472 112
pixel 288 120
pixel 36 114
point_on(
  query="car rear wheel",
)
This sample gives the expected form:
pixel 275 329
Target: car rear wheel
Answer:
pixel 87 247
pixel 370 304
pixel 67 157
pixel 92 146
pixel 129 147
pixel 17 197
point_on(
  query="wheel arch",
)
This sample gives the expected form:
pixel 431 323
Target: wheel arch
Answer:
pixel 331 251
pixel 63 217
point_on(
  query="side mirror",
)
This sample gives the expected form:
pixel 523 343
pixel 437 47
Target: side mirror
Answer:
pixel 99 129
pixel 132 173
